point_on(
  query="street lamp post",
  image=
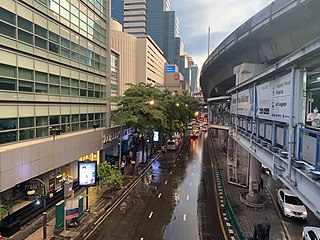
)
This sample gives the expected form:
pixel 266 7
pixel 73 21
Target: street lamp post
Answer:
pixel 44 207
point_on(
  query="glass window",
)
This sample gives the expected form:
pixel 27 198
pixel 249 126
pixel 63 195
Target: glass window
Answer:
pixel 83 92
pixel 65 91
pixel 40 31
pixel 54 89
pixel 55 119
pixel 97 94
pixel 42 132
pixel 42 121
pixel 90 93
pixel 83 17
pixel 75 91
pixel 75 56
pixel 41 43
pixel 8 71
pixel 83 26
pixel 54 48
pixel 75 126
pixel 90 116
pixel 26 134
pixel 74 20
pixel 25 24
pixel 54 79
pixel 83 117
pixel 65 128
pixel 74 46
pixel 41 77
pixel 74 83
pixel 97 116
pixel 74 10
pixel 25 73
pixel 83 125
pixel 41 88
pixel 25 37
pixel 7 137
pixel 54 37
pixel 65 81
pixel 26 86
pixel 65 118
pixel 83 51
pixel 7 30
pixel 26 122
pixel 65 42
pixel 75 118
pixel 8 84
pixel 64 13
pixel 83 84
pixel 7 16
pixel 45 2
pixel 83 59
pixel 65 52
pixel 90 85
pixel 7 124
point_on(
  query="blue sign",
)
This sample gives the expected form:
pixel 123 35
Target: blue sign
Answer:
pixel 170 69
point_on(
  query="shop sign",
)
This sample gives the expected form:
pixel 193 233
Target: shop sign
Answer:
pixel 87 172
pixel 115 135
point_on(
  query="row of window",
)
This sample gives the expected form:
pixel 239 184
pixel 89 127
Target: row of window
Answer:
pixel 78 18
pixel 34 34
pixel 35 127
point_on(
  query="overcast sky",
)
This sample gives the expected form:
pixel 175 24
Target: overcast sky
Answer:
pixel 223 17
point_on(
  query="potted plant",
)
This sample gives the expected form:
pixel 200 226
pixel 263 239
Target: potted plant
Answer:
pixel 3 211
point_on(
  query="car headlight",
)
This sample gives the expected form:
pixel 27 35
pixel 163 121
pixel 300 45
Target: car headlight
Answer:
pixel 287 210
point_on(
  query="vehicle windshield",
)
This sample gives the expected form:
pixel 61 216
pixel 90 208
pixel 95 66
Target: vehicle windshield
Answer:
pixel 293 200
pixel 170 143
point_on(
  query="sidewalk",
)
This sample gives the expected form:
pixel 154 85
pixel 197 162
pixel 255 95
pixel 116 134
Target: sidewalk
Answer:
pixel 247 216
pixel 99 200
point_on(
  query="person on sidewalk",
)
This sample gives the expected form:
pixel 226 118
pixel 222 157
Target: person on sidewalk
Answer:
pixel 123 164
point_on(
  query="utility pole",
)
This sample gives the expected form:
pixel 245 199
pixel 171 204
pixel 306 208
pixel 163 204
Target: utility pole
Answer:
pixel 209 41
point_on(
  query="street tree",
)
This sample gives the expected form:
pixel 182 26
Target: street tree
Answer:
pixel 109 176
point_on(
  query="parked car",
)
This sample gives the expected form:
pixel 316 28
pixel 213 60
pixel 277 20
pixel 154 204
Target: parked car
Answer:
pixel 194 135
pixel 190 126
pixel 172 145
pixel 311 233
pixel 291 205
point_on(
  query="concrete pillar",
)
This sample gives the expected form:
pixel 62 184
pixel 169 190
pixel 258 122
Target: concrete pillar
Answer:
pixel 254 180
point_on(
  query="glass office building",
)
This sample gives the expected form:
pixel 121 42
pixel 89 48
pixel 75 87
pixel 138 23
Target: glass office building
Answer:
pixel 54 78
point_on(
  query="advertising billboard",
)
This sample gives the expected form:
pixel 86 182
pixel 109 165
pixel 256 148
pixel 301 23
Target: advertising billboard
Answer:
pixel 87 173
pixel 170 69
pixel 155 136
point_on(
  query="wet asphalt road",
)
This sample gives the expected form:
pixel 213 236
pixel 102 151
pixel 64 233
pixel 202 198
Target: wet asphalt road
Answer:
pixel 172 201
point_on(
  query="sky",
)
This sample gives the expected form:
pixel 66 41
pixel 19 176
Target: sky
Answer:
pixel 223 17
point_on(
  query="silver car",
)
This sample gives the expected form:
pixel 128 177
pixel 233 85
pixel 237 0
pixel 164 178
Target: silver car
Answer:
pixel 311 233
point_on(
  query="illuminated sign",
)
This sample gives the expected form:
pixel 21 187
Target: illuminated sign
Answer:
pixel 170 69
pixel 87 173
pixel 155 136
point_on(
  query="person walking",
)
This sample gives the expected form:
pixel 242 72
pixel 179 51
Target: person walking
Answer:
pixel 123 164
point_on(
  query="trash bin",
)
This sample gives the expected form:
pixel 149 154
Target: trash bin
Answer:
pixel 261 230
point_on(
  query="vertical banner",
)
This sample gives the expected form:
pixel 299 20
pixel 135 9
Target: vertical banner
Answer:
pixel 72 206
pixel 245 102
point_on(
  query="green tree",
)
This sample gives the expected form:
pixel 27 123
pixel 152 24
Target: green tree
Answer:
pixel 3 210
pixel 109 176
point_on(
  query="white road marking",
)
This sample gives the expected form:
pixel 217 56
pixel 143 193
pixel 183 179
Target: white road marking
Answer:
pixel 184 217
pixel 159 196
pixel 150 215
pixel 165 182
pixel 187 197
pixel 190 184
pixel 171 172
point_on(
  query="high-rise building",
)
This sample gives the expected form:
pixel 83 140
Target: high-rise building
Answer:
pixel 54 79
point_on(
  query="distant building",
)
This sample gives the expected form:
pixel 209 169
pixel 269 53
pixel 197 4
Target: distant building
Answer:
pixel 174 80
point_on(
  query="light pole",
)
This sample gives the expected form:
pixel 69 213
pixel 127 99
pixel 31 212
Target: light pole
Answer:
pixel 44 207
pixel 120 148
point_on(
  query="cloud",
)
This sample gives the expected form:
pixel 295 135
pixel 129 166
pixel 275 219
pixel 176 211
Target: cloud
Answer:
pixel 223 17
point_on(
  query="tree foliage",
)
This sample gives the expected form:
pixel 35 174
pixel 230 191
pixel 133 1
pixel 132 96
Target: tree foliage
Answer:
pixel 168 114
pixel 109 176
pixel 3 210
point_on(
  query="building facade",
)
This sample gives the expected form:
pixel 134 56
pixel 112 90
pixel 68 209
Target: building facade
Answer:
pixel 54 80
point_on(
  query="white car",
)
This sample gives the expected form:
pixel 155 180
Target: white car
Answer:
pixel 311 233
pixel 172 145
pixel 291 205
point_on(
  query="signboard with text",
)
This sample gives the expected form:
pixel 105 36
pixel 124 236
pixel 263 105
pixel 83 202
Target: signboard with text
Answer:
pixel 170 69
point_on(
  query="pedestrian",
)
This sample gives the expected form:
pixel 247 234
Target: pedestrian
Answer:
pixel 122 167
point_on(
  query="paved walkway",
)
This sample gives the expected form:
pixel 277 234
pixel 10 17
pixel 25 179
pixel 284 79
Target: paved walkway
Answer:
pixel 247 216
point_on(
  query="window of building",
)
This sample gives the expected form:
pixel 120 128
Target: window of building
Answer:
pixel 7 124
pixel 41 88
pixel 7 30
pixel 6 137
pixel 25 73
pixel 26 122
pixel 53 89
pixel 8 71
pixel 83 125
pixel 75 91
pixel 54 79
pixel 54 48
pixel 65 42
pixel 83 117
pixel 26 134
pixel 25 24
pixel 41 43
pixel 75 118
pixel 83 92
pixel 41 77
pixel 7 16
pixel 42 132
pixel 74 83
pixel 54 37
pixel 42 121
pixel 65 81
pixel 26 86
pixel 55 119
pixel 8 84
pixel 40 31
pixel 75 126
pixel 25 37
pixel 65 118
pixel 65 91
